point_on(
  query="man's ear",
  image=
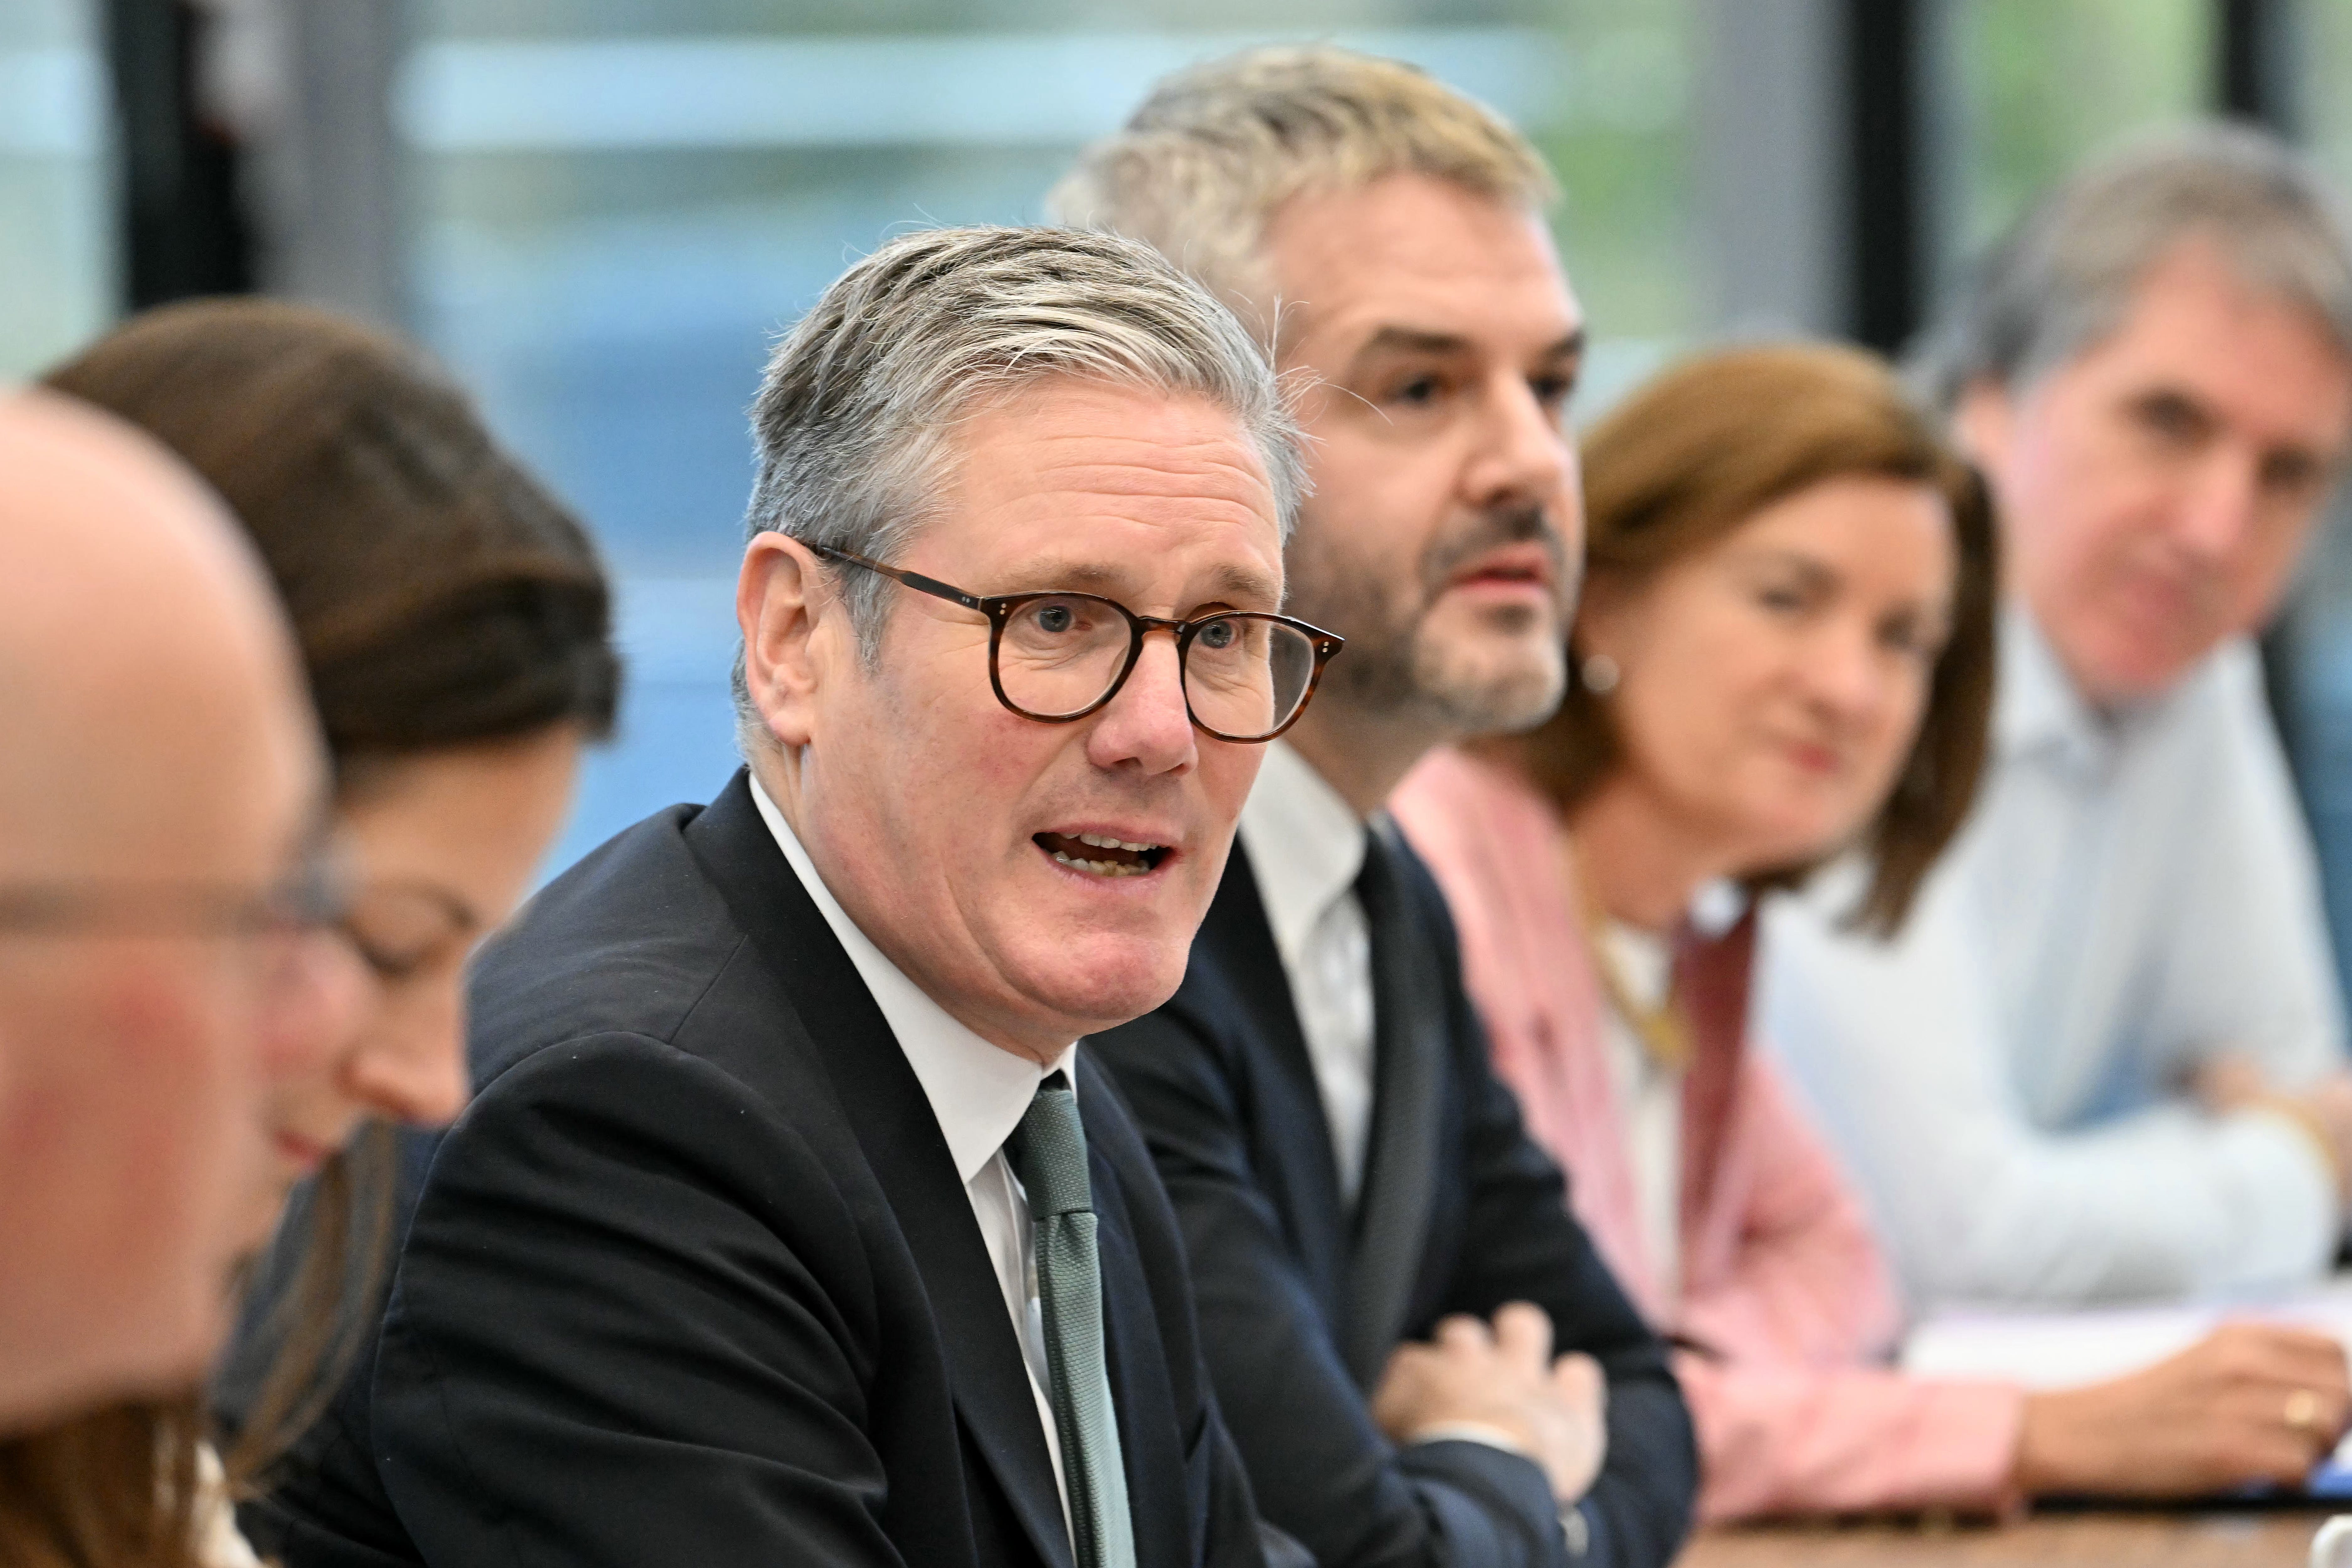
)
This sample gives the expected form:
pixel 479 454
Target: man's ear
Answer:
pixel 1981 423
pixel 781 598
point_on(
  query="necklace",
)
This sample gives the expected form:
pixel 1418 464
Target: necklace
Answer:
pixel 1663 1030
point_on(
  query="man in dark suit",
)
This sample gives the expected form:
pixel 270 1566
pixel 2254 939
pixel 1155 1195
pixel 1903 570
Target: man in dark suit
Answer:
pixel 789 1226
pixel 1384 1262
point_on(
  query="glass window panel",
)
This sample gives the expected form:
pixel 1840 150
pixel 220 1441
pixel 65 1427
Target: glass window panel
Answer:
pixel 56 230
pixel 619 203
pixel 2034 86
pixel 2323 99
pixel 2312 653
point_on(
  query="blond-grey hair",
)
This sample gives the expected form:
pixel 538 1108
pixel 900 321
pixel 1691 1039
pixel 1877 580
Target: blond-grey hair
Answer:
pixel 855 421
pixel 2065 276
pixel 1200 170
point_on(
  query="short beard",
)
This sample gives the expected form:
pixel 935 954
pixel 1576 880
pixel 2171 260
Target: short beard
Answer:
pixel 1390 669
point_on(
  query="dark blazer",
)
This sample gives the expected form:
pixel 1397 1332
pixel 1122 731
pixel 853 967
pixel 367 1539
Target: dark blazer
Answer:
pixel 1301 1302
pixel 693 1280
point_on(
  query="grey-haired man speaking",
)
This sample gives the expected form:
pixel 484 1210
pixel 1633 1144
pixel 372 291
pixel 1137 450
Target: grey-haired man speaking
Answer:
pixel 789 1224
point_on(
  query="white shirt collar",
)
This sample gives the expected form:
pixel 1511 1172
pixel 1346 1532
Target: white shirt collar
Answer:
pixel 1306 846
pixel 2037 707
pixel 2037 704
pixel 978 1091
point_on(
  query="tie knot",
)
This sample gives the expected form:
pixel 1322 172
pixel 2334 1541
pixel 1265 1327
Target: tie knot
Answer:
pixel 1048 1151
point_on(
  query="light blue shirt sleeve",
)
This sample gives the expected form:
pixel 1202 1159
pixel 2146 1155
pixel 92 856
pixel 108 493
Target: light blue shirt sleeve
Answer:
pixel 2250 967
pixel 2004 1077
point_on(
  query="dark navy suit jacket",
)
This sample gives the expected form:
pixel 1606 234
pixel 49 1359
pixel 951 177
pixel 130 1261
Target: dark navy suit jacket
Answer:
pixel 693 1282
pixel 1302 1301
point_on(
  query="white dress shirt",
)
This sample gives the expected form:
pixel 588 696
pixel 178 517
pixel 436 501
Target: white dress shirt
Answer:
pixel 2134 894
pixel 979 1092
pixel 219 1543
pixel 1649 1100
pixel 1306 847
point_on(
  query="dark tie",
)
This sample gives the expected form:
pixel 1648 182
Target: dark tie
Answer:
pixel 1409 1042
pixel 1048 1152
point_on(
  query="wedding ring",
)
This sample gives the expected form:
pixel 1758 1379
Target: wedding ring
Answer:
pixel 2303 1410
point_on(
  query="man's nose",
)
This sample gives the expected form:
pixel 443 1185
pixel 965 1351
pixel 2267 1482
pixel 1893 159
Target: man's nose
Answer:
pixel 413 1067
pixel 1522 454
pixel 2217 515
pixel 1147 725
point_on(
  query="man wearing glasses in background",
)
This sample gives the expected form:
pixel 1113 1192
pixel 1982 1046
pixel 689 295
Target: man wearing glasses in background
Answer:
pixel 1352 1178
pixel 788 1224
pixel 160 955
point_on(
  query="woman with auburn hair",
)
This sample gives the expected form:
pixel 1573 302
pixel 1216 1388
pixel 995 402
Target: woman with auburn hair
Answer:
pixel 1784 657
pixel 455 626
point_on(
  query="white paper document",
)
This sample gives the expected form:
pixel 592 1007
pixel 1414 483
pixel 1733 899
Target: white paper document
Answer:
pixel 2067 1349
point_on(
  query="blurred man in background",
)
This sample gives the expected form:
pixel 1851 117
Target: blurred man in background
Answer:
pixel 1388 1274
pixel 2105 1059
pixel 161 780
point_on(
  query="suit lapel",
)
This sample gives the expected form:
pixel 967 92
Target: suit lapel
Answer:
pixel 1408 1064
pixel 1291 1141
pixel 896 1128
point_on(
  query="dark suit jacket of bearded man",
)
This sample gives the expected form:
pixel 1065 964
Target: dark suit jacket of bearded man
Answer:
pixel 1302 1301
pixel 694 1282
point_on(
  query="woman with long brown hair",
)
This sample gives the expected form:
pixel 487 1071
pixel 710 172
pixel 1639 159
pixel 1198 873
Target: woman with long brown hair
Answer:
pixel 454 625
pixel 1784 657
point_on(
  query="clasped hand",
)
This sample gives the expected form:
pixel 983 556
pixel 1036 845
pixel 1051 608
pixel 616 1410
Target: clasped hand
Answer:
pixel 1504 1379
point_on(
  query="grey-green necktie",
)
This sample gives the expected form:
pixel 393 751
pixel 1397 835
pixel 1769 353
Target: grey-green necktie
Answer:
pixel 1048 1152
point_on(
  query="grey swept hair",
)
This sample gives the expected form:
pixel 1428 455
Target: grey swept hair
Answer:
pixel 1204 164
pixel 853 424
pixel 2063 278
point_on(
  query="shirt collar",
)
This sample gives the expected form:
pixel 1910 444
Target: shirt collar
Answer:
pixel 1306 846
pixel 978 1092
pixel 2037 704
pixel 2039 709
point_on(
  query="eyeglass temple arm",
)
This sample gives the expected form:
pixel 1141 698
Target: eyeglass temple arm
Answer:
pixel 914 579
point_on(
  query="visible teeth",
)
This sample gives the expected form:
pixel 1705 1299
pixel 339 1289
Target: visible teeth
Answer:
pixel 1102 842
pixel 1102 867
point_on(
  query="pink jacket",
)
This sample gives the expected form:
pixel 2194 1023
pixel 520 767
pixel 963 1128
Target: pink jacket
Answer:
pixel 1786 1307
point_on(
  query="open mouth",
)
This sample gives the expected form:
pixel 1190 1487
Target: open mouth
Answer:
pixel 1099 855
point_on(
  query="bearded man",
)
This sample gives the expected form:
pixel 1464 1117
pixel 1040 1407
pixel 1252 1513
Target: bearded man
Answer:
pixel 1419 1355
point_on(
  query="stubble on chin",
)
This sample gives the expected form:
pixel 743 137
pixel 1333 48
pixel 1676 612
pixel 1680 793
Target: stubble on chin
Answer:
pixel 1505 673
pixel 1510 679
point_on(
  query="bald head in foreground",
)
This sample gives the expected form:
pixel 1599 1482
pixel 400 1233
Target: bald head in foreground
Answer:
pixel 157 794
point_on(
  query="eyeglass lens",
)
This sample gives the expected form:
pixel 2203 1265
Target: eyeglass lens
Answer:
pixel 1244 674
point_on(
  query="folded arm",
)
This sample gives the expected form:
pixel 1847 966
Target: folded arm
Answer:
pixel 1321 1469
pixel 1893 1046
pixel 1521 1243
